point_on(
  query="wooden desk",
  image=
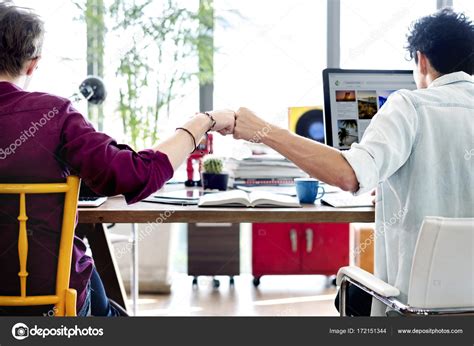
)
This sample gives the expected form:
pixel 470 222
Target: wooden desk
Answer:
pixel 115 210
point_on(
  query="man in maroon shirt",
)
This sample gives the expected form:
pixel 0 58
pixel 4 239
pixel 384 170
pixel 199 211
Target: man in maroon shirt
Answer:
pixel 44 139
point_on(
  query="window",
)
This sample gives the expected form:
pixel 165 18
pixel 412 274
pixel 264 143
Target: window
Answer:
pixel 269 55
pixel 373 32
pixel 63 64
pixel 466 6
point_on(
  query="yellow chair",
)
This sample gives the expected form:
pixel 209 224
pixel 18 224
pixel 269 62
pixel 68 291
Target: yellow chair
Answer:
pixel 64 298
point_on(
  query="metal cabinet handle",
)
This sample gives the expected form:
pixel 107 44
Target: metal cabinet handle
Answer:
pixel 294 240
pixel 309 240
pixel 213 224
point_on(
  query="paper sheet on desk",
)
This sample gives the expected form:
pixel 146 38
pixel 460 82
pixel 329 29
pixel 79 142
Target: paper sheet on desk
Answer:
pixel 348 200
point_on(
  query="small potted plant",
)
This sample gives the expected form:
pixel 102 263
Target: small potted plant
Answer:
pixel 212 176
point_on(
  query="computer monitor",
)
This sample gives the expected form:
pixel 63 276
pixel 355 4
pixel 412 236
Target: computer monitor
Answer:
pixel 353 97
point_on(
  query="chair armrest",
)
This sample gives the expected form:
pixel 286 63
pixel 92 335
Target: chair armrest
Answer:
pixel 368 280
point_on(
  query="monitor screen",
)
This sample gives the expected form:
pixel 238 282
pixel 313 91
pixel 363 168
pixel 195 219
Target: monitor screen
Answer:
pixel 353 97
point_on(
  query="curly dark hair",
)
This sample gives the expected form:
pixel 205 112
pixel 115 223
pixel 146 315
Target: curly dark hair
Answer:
pixel 21 37
pixel 447 40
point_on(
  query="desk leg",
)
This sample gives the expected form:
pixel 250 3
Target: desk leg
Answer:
pixel 134 280
pixel 105 261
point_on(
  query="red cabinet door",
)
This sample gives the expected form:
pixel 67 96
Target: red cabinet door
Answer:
pixel 324 248
pixel 275 248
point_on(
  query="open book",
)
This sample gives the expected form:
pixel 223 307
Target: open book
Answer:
pixel 238 198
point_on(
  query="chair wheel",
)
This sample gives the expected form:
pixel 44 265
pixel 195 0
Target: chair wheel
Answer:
pixel 331 281
pixel 216 283
pixel 195 281
pixel 231 281
pixel 256 281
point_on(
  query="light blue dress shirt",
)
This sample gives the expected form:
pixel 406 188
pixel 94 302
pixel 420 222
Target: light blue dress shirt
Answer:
pixel 418 152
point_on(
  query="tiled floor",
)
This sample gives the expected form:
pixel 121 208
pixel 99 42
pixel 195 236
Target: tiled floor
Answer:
pixel 276 296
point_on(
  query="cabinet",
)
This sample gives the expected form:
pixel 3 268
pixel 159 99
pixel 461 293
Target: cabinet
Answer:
pixel 284 248
pixel 213 249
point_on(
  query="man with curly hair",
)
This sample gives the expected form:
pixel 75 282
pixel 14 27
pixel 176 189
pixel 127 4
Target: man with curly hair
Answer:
pixel 416 151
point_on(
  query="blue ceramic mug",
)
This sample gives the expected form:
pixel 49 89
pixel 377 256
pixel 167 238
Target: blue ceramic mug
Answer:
pixel 307 190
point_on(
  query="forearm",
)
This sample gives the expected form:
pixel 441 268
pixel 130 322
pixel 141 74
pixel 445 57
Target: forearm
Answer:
pixel 318 160
pixel 180 144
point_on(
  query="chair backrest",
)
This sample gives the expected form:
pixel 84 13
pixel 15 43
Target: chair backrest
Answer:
pixel 71 190
pixel 442 274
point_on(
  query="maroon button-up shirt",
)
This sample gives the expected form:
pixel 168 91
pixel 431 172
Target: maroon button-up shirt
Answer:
pixel 44 139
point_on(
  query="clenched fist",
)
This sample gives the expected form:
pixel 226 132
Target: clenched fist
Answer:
pixel 225 121
pixel 250 127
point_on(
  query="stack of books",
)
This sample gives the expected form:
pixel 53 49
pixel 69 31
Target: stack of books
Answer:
pixel 271 170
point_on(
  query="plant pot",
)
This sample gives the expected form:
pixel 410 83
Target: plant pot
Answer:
pixel 214 181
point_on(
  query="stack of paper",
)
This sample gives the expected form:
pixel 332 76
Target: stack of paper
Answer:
pixel 264 170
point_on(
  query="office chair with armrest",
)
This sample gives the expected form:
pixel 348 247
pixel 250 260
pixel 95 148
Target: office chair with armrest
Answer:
pixel 442 273
pixel 64 298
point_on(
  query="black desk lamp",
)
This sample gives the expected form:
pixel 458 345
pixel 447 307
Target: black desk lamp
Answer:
pixel 92 89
